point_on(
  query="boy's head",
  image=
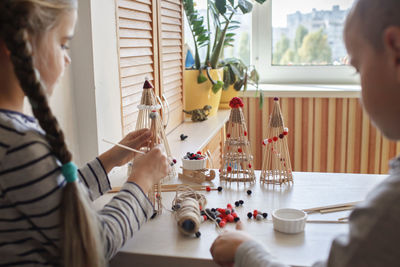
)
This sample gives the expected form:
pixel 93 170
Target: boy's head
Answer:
pixel 372 37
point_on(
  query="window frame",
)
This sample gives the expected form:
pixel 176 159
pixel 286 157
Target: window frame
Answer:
pixel 262 40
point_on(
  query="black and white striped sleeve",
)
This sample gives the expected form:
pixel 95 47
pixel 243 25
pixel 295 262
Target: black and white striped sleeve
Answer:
pixel 123 216
pixel 94 176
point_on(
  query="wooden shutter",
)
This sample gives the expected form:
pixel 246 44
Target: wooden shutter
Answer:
pixel 170 26
pixel 150 36
pixel 138 58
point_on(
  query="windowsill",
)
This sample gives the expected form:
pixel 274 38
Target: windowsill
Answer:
pixel 305 90
pixel 199 134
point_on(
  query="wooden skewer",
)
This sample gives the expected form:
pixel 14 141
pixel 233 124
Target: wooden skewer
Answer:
pixel 331 207
pixel 116 189
pixel 125 147
pixel 343 219
pixel 336 209
pixel 325 221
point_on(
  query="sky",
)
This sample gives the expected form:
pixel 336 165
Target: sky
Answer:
pixel 281 8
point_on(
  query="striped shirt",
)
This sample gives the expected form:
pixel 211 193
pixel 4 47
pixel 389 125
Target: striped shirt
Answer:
pixel 31 187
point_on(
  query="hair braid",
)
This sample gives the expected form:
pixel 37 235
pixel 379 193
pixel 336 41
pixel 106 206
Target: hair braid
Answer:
pixel 29 78
pixel 82 246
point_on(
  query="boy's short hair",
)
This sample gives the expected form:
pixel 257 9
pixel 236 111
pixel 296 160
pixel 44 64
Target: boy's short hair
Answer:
pixel 374 16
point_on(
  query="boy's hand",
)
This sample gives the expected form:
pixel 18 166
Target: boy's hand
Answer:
pixel 224 248
pixel 118 156
pixel 150 168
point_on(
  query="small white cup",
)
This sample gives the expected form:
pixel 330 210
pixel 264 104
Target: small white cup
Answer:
pixel 194 164
pixel 289 221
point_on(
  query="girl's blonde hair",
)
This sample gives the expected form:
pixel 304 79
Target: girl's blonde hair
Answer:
pixel 20 22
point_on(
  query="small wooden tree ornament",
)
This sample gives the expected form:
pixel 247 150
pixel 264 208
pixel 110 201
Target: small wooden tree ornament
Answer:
pixel 276 166
pixel 149 118
pixel 237 159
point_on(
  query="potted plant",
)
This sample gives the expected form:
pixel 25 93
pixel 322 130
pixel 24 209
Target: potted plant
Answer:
pixel 203 83
pixel 236 78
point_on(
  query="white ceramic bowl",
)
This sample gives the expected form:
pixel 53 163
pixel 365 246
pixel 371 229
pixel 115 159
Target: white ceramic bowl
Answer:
pixel 194 164
pixel 289 221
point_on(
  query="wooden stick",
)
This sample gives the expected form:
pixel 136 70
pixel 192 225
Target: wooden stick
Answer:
pixel 336 209
pixel 343 219
pixel 116 189
pixel 125 147
pixel 331 206
pixel 325 221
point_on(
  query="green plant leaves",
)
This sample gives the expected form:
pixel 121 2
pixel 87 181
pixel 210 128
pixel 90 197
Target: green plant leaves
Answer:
pixel 201 78
pixel 245 6
pixel 221 6
pixel 217 86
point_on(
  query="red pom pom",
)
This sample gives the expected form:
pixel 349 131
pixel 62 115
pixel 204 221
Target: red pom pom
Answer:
pixel 229 169
pixel 275 138
pixel 270 140
pixel 198 152
pixel 236 102
pixel 245 133
pixel 228 135
pixel 240 150
pixel 249 165
pixel 208 189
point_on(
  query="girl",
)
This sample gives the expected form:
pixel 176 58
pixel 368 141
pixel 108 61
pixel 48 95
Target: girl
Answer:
pixel 372 36
pixel 45 214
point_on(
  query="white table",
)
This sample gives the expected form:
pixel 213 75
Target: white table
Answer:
pixel 159 243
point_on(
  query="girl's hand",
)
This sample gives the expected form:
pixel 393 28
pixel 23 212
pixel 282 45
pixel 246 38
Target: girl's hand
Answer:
pixel 150 168
pixel 224 248
pixel 118 156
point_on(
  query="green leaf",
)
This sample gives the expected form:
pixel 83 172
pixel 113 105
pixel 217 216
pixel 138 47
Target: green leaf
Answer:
pixel 261 1
pixel 201 78
pixel 238 85
pixel 245 6
pixel 232 2
pixel 221 6
pixel 227 78
pixel 216 87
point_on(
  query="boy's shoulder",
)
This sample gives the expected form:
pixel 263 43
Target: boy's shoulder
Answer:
pixel 16 131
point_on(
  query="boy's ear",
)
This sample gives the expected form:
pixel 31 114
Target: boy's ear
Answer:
pixel 391 38
pixel 3 49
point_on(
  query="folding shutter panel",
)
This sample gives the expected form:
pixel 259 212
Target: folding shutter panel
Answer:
pixel 138 59
pixel 170 35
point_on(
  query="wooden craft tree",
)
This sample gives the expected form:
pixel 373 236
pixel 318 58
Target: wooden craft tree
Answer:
pixel 237 160
pixel 149 118
pixel 276 167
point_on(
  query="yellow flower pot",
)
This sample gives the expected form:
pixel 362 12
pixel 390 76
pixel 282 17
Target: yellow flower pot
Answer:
pixel 198 95
pixel 226 97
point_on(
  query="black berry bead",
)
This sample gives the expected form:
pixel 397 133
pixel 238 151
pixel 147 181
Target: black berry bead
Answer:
pixel 237 203
pixel 219 188
pixel 198 234
pixel 249 192
pixel 241 202
pixel 249 215
pixel 227 212
pixel 213 210
pixel 218 220
pixel 265 215
pixel 236 219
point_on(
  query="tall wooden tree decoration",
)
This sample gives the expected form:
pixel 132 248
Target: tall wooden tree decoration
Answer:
pixel 149 118
pixel 237 160
pixel 276 167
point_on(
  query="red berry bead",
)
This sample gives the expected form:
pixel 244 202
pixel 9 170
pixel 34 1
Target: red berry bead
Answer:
pixel 240 150
pixel 245 133
pixel 275 138
pixel 263 143
pixel 229 206
pixel 174 161
pixel 198 152
pixel 222 224
pixel 228 135
pixel 208 189
pixel 230 218
pixel 249 165
pixel 270 140
pixel 229 169
pixel 234 214
pixel 285 133
pixel 255 212
pixel 205 217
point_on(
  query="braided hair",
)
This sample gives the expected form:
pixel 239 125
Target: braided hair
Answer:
pixel 20 22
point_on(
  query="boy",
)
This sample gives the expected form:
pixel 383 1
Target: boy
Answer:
pixel 372 37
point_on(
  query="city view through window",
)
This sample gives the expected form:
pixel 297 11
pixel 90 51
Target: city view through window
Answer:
pixel 309 32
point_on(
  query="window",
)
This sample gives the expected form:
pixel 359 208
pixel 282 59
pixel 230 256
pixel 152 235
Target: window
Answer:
pixel 301 41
